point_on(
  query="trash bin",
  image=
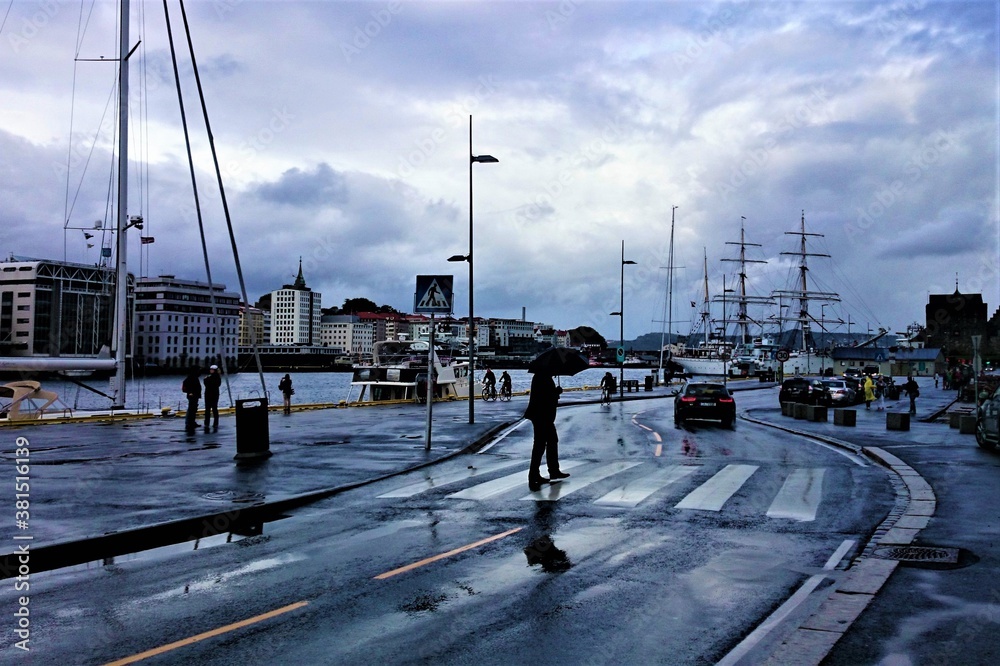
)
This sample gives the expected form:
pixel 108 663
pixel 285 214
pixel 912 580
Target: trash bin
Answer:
pixel 649 382
pixel 253 439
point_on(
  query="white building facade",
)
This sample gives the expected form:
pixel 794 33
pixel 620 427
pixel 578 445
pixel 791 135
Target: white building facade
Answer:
pixel 296 314
pixel 175 327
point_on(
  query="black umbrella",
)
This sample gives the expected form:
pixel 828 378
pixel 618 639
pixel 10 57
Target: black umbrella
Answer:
pixel 559 361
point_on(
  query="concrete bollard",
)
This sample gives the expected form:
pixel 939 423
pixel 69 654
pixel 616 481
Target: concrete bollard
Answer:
pixel 967 424
pixel 845 417
pixel 800 411
pixel 897 421
pixel 954 419
pixel 816 413
pixel 788 409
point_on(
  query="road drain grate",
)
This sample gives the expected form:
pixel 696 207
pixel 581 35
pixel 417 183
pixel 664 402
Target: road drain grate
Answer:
pixel 927 554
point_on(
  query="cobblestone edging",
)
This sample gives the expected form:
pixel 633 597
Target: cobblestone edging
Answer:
pixel 915 503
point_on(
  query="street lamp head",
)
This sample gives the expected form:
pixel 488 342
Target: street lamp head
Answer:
pixel 615 314
pixel 458 257
pixel 483 159
pixel 628 262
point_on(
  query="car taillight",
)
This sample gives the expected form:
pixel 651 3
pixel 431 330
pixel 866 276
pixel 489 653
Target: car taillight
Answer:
pixel 725 400
pixel 688 398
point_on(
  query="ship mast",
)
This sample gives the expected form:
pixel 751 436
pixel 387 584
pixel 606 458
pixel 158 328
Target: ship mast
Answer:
pixel 743 320
pixel 803 294
pixel 121 274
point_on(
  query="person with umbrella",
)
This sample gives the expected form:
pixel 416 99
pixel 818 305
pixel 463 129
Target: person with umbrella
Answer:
pixel 542 403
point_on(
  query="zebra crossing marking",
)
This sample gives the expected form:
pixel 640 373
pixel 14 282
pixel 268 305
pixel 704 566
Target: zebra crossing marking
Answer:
pixel 500 486
pixel 799 496
pixel 432 482
pixel 631 494
pixel 554 491
pixel 711 495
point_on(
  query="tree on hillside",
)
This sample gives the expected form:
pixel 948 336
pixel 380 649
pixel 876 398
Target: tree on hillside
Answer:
pixel 585 335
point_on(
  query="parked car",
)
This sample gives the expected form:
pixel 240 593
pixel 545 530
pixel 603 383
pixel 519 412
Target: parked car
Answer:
pixel 841 392
pixel 705 400
pixel 806 390
pixel 859 389
pixel 988 422
pixel 853 372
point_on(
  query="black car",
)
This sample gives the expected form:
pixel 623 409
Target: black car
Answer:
pixel 704 400
pixel 859 389
pixel 805 390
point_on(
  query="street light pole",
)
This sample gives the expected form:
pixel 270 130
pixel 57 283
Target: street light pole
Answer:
pixel 822 325
pixel 484 159
pixel 621 325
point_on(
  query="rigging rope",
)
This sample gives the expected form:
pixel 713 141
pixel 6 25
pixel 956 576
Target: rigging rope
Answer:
pixel 222 192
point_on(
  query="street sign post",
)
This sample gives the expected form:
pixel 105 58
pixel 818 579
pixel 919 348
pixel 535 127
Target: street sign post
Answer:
pixel 434 295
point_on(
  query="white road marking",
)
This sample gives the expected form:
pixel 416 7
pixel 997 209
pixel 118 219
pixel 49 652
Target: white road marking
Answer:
pixel 636 491
pixel 783 611
pixel 554 491
pixel 502 435
pixel 502 485
pixel 711 495
pixel 444 479
pixel 799 496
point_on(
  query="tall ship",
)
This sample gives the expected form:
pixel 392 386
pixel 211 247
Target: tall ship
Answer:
pixel 744 354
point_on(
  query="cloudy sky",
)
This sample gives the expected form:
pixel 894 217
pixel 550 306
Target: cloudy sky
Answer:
pixel 343 134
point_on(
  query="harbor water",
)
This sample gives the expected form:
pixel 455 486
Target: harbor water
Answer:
pixel 155 393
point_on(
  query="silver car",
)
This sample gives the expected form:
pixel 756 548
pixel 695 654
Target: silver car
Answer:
pixel 840 392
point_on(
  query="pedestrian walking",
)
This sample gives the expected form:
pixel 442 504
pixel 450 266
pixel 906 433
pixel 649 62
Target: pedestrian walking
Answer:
pixel 191 386
pixel 541 411
pixel 935 380
pixel 213 380
pixel 285 386
pixel 880 388
pixel 913 391
pixel 869 391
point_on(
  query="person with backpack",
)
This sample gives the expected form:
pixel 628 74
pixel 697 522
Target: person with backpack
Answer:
pixel 285 386
pixel 213 381
pixel 913 391
pixel 191 386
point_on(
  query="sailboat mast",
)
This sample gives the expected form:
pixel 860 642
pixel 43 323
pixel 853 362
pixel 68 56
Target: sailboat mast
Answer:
pixel 705 319
pixel 743 317
pixel 121 274
pixel 668 302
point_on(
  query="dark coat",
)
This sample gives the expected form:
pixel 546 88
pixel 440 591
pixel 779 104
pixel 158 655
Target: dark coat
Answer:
pixel 543 400
pixel 191 386
pixel 213 381
pixel 285 386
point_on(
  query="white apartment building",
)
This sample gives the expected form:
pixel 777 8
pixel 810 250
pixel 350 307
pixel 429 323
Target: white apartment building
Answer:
pixel 175 327
pixel 296 314
pixel 348 333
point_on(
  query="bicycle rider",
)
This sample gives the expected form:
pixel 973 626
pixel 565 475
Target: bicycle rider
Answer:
pixel 505 383
pixel 609 384
pixel 489 382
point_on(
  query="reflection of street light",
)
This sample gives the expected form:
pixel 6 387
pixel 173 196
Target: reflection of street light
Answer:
pixel 621 325
pixel 484 159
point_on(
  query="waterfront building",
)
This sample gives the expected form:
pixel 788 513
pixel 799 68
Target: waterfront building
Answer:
pixel 175 327
pixel 952 320
pixel 349 334
pixel 296 314
pixel 252 326
pixel 55 308
pixel 387 325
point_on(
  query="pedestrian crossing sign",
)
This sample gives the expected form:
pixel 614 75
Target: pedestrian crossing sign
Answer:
pixel 434 295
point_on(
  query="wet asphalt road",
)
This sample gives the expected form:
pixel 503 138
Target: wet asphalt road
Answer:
pixel 665 545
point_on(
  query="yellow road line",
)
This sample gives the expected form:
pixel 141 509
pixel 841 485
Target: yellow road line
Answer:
pixel 435 558
pixel 208 634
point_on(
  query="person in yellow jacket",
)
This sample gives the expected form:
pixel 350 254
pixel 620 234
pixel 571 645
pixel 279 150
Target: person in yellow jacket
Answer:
pixel 869 391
